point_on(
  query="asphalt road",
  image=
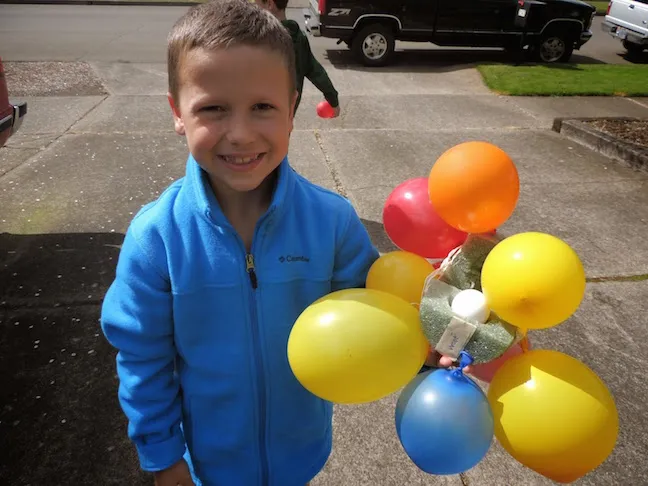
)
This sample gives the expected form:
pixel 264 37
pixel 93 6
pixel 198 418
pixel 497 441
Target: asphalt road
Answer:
pixel 138 34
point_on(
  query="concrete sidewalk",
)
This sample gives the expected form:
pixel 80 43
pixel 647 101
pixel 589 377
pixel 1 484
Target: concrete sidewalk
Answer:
pixel 82 166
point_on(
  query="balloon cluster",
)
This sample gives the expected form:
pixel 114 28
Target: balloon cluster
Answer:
pixel 547 409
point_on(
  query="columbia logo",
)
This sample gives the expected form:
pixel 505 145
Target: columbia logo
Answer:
pixel 293 258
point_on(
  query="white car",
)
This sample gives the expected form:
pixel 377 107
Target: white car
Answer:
pixel 627 20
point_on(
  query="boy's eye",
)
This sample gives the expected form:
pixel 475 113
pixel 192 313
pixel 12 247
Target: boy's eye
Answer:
pixel 213 108
pixel 263 106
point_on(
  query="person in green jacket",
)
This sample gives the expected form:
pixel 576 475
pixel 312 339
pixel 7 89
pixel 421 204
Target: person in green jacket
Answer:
pixel 306 64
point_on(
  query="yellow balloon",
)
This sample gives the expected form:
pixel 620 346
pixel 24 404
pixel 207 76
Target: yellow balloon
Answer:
pixel 553 414
pixel 533 280
pixel 357 346
pixel 400 273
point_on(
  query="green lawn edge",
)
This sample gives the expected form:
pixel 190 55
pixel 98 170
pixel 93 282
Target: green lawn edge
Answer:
pixel 601 7
pixel 566 79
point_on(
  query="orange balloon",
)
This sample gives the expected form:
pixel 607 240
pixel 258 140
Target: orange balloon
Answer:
pixel 474 187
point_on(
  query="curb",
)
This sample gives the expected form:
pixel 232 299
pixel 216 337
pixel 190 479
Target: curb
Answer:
pixel 578 131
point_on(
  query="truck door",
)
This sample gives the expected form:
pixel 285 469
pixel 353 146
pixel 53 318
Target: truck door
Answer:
pixel 461 16
pixel 464 22
pixel 418 16
pixel 476 15
pixel 500 17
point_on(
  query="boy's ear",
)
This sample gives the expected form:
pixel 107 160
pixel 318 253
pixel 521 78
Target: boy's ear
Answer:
pixel 293 103
pixel 177 119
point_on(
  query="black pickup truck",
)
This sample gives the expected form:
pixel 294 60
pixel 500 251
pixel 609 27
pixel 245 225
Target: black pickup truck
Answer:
pixel 550 30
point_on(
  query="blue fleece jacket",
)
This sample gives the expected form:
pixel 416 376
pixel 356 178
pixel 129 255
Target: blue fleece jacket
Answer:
pixel 201 329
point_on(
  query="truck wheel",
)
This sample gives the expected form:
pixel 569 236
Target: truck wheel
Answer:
pixel 633 49
pixel 555 47
pixel 374 45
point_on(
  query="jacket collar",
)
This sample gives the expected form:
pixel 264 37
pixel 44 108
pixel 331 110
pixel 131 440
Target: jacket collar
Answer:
pixel 206 202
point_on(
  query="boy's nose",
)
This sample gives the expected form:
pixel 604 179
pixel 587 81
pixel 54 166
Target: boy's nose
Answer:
pixel 240 131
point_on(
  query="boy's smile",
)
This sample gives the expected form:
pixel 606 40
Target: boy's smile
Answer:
pixel 240 162
pixel 235 108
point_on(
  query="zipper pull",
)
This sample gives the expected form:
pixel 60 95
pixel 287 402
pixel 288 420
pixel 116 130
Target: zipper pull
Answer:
pixel 249 268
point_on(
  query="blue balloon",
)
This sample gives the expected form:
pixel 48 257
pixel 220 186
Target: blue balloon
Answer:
pixel 444 422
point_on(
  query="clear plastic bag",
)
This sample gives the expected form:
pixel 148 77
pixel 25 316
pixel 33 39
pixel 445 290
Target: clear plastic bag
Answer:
pixel 462 267
pixel 461 270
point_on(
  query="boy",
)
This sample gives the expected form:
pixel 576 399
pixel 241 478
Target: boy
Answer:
pixel 212 276
pixel 306 64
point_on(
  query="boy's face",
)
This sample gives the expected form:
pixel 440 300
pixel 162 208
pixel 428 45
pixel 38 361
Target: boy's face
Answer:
pixel 235 107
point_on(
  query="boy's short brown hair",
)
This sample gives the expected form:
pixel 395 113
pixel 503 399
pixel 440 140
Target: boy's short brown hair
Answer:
pixel 220 24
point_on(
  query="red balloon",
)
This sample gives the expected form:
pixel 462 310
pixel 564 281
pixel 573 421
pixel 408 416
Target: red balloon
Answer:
pixel 325 110
pixel 413 225
pixel 486 371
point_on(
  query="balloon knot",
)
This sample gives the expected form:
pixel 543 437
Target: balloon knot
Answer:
pixel 465 359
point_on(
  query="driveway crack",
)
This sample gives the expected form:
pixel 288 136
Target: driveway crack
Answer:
pixel 339 186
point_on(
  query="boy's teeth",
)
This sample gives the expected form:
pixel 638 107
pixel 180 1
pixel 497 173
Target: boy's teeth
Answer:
pixel 241 160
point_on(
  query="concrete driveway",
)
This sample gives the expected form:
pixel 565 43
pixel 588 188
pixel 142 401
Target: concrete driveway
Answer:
pixel 82 165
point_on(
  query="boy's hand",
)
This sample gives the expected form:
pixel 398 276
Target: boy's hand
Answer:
pixel 176 475
pixel 435 359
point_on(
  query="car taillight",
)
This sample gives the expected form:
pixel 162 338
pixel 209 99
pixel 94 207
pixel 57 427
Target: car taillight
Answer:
pixel 609 7
pixel 321 6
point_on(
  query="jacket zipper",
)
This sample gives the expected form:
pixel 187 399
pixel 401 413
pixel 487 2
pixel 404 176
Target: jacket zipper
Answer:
pixel 249 268
pixel 251 271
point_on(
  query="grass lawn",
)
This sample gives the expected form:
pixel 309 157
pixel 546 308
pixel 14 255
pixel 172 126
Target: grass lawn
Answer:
pixel 600 6
pixel 567 79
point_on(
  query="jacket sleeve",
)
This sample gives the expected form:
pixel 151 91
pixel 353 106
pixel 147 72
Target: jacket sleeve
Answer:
pixel 317 75
pixel 354 256
pixel 137 320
